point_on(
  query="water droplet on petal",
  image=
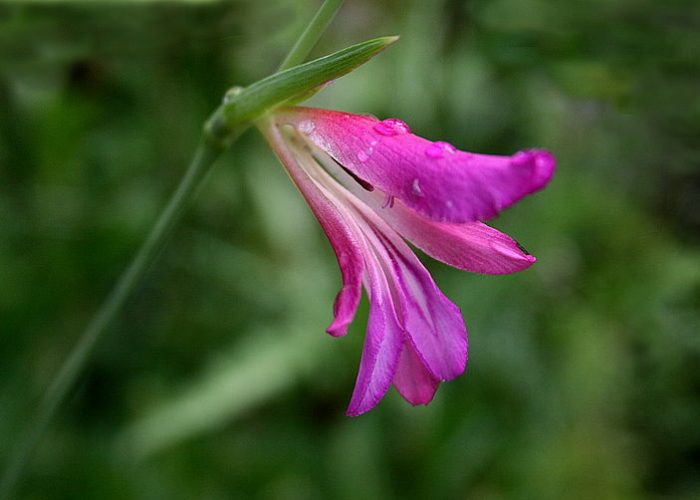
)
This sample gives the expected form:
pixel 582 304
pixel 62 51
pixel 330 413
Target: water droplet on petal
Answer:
pixel 391 127
pixel 449 204
pixel 415 188
pixel 306 127
pixel 362 156
pixel 439 149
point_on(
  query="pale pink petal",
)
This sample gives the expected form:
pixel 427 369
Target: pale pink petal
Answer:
pixel 433 178
pixel 337 230
pixel 413 380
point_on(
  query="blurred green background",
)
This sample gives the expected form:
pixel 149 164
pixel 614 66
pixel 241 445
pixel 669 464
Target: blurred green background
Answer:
pixel 218 382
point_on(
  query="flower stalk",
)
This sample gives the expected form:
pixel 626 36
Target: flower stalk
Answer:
pixel 206 154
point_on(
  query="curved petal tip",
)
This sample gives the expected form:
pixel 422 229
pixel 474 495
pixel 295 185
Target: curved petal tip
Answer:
pixel 540 162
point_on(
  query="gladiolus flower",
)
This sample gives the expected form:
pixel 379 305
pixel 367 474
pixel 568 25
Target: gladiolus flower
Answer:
pixel 371 183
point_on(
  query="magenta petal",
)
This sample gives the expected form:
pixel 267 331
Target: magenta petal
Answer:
pixel 433 324
pixel 351 265
pixel 406 309
pixel 382 347
pixel 337 230
pixel 413 380
pixel 472 246
pixel 348 297
pixel 433 178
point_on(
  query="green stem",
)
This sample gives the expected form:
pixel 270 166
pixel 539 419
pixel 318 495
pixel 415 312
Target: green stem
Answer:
pixel 311 34
pixel 216 138
pixel 205 155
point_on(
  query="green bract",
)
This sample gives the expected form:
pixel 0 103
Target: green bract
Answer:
pixel 297 83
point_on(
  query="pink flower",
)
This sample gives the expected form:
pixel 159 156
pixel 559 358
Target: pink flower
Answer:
pixel 371 183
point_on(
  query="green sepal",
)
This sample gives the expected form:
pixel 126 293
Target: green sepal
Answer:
pixel 245 105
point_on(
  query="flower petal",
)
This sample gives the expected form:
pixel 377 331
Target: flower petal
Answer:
pixel 472 246
pixel 433 324
pixel 433 178
pixel 413 380
pixel 337 230
pixel 406 308
pixel 382 347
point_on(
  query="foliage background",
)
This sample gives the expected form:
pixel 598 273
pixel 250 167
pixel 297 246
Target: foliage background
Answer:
pixel 218 381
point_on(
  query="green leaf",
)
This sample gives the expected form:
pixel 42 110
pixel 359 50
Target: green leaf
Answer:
pixel 247 104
